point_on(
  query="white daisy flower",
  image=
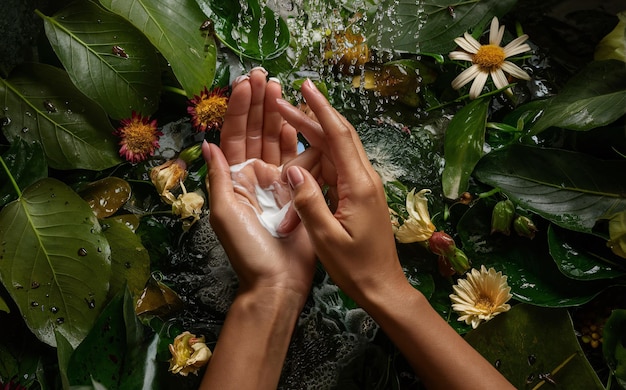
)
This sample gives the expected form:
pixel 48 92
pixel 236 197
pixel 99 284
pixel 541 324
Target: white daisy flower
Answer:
pixel 488 60
pixel 481 296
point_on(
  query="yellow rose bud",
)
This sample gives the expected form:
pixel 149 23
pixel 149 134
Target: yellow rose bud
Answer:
pixel 188 206
pixel 167 177
pixel 189 354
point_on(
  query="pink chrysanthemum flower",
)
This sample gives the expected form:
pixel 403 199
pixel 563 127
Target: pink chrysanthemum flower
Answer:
pixel 139 137
pixel 208 110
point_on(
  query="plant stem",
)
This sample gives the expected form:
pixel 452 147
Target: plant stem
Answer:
pixel 489 193
pixel 174 90
pixel 15 186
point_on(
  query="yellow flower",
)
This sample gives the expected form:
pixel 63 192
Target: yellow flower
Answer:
pixel 139 137
pixel 189 206
pixel 207 110
pixel 488 60
pixel 189 354
pixel 167 177
pixel 418 227
pixel 481 296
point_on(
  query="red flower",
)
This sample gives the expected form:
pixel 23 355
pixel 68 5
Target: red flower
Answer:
pixel 139 137
pixel 207 110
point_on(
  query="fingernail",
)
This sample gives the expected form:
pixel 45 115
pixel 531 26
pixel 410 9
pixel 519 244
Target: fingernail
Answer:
pixel 239 80
pixel 262 69
pixel 206 151
pixel 295 177
pixel 274 79
pixel 311 84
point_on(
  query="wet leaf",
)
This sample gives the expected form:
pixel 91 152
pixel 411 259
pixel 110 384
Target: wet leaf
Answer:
pixel 106 196
pixel 429 26
pixel 26 163
pixel 530 341
pixel 55 261
pixel 570 189
pixel 247 28
pixel 593 98
pixel 463 146
pixel 173 27
pixel 583 256
pixel 532 273
pixel 106 57
pixel 613 347
pixel 43 105
pixel 158 299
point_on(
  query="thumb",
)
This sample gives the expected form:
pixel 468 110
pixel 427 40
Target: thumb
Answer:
pixel 311 206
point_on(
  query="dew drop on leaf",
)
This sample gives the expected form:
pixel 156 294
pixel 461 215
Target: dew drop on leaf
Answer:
pixel 82 252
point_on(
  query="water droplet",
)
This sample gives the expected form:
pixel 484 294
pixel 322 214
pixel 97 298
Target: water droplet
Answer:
pixel 127 265
pixel 5 121
pixel 91 303
pixel 60 320
pixel 82 252
pixel 54 309
pixel 49 106
pixel 531 359
pixel 34 284
pixel 25 130
pixel 34 304
pixel 99 250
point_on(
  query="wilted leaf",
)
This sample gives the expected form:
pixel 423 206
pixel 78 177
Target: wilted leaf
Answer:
pixel 595 97
pixel 429 26
pixel 463 146
pixel 26 163
pixel 570 189
pixel 529 341
pixel 106 196
pixel 158 299
pixel 55 261
pixel 173 27
pixel 43 105
pixel 106 57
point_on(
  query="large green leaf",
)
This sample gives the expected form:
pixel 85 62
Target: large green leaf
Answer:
pixel 429 26
pixel 528 342
pixel 42 104
pixel 55 261
pixel 173 27
pixel 583 256
pixel 463 146
pixel 613 347
pixel 593 98
pixel 570 189
pixel 247 28
pixel 26 163
pixel 106 57
pixel 532 274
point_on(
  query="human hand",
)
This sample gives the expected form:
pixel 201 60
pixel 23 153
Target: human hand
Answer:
pixel 354 241
pixel 253 129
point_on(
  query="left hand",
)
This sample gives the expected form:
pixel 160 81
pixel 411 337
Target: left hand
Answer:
pixel 253 128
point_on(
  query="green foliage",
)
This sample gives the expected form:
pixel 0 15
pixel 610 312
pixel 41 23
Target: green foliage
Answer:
pixel 106 57
pixel 26 164
pixel 613 347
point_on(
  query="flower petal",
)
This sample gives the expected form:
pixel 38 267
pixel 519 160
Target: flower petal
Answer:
pixel 460 55
pixel 514 70
pixel 471 44
pixel 499 79
pixel 517 46
pixel 478 84
pixel 465 77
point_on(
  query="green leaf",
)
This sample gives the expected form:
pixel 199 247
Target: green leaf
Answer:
pixel 54 261
pixel 173 27
pixel 529 341
pixel 86 39
pixel 463 146
pixel 613 347
pixel 248 29
pixel 26 163
pixel 64 353
pixel 43 105
pixel 595 97
pixel 583 256
pixel 572 190
pixel 532 274
pixel 429 26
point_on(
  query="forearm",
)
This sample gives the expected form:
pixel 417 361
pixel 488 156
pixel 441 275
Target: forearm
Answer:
pixel 438 354
pixel 253 342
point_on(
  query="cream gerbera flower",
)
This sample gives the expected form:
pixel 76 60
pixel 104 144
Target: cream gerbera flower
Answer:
pixel 488 60
pixel 481 296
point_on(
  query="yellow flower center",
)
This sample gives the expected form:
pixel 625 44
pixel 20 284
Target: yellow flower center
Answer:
pixel 489 57
pixel 484 303
pixel 211 109
pixel 139 137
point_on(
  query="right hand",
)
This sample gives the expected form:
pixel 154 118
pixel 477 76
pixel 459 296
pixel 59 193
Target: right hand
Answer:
pixel 355 241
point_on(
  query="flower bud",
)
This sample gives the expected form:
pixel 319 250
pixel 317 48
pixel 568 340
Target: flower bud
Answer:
pixel 451 259
pixel 191 154
pixel 502 217
pixel 524 227
pixel 188 206
pixel 189 354
pixel 167 177
pixel 459 261
pixel 418 227
pixel 440 243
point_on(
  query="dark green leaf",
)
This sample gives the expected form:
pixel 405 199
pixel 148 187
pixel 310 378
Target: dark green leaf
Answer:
pixel 582 256
pixel 43 105
pixel 593 98
pixel 570 189
pixel 528 341
pixel 55 261
pixel 613 346
pixel 107 58
pixel 532 274
pixel 249 29
pixel 463 146
pixel 64 353
pixel 26 163
pixel 429 26
pixel 173 27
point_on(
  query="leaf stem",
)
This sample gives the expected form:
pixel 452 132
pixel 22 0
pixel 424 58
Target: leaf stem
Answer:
pixel 174 90
pixel 489 193
pixel 15 186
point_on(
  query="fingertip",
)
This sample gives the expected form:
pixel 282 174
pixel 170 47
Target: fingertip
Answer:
pixel 295 178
